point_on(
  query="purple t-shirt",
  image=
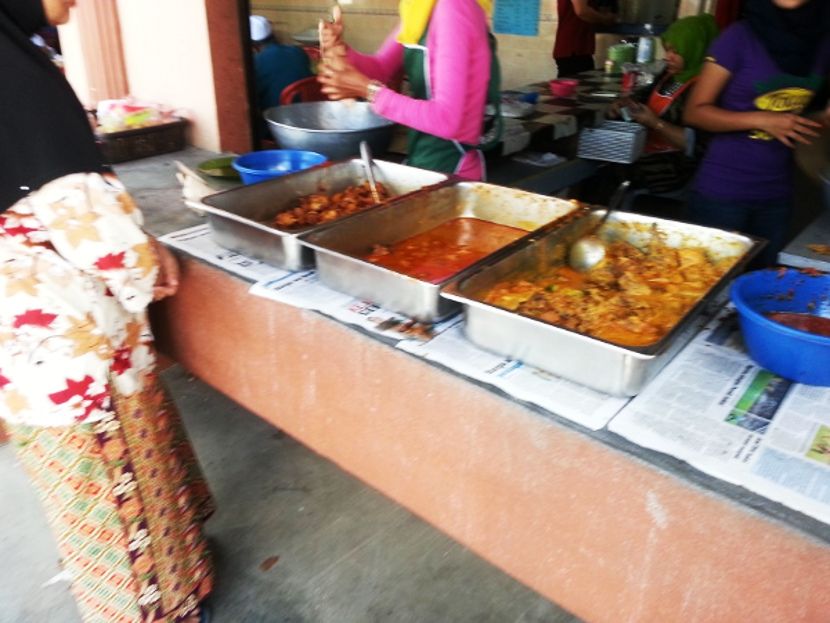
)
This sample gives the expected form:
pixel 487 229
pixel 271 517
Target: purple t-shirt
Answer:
pixel 751 165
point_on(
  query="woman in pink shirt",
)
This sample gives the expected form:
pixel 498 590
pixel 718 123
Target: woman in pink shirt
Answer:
pixel 448 55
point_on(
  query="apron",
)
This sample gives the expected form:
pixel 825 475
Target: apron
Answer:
pixel 659 104
pixel 427 151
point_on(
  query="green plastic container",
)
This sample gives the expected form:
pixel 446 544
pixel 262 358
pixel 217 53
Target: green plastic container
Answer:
pixel 622 53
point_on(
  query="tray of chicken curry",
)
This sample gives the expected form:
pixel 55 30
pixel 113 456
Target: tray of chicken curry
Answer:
pixel 265 220
pixel 612 327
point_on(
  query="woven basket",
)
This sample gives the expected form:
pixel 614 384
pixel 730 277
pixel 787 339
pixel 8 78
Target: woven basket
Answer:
pixel 143 142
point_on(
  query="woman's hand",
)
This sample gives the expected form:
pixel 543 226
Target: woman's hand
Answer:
pixel 789 128
pixel 331 33
pixel 167 281
pixel 643 115
pixel 339 77
pixel 613 111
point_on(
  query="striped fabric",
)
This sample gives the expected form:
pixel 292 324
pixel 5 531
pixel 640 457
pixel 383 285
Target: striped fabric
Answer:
pixel 126 502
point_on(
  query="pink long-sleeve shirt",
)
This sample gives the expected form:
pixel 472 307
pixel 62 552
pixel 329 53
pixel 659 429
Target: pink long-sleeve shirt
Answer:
pixel 459 70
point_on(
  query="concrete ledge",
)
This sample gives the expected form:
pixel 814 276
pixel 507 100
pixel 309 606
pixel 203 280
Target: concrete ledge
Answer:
pixel 608 536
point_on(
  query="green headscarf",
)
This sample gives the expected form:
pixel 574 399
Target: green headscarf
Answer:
pixel 690 37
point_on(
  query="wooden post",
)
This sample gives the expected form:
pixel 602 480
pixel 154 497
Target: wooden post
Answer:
pixel 94 59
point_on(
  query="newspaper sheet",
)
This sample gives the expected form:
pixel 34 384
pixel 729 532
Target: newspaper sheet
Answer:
pixel 569 400
pixel 715 409
pixel 303 289
pixel 197 241
pixel 298 289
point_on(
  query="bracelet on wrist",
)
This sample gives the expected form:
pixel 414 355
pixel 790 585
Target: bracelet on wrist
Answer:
pixel 372 90
pixel 659 126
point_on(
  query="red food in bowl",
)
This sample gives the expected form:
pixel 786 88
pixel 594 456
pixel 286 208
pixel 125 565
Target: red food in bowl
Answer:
pixel 563 87
pixel 794 353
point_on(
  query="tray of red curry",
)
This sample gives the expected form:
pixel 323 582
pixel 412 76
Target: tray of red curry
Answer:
pixel 400 255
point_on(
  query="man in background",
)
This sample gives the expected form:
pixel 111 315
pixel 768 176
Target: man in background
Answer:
pixel 275 65
pixel 575 42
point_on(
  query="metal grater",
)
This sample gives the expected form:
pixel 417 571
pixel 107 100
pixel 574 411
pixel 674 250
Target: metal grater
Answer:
pixel 612 141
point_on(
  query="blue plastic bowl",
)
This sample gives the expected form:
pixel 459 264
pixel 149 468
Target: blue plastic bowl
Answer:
pixel 258 166
pixel 793 354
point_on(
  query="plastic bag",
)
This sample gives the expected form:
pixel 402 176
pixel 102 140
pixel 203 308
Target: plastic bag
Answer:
pixel 129 114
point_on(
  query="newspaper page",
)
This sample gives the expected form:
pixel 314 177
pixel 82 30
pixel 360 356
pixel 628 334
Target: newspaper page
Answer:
pixel 303 289
pixel 715 409
pixel 198 242
pixel 574 402
pixel 299 289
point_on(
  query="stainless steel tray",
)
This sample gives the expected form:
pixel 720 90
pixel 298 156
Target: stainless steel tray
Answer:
pixel 237 217
pixel 339 249
pixel 587 360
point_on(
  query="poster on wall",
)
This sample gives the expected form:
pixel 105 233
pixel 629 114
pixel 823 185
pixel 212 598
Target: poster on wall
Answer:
pixel 516 17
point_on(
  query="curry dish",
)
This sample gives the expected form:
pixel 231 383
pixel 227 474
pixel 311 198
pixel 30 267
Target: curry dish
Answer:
pixel 632 298
pixel 320 208
pixel 810 323
pixel 443 251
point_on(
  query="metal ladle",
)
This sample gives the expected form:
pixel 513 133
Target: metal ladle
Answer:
pixel 589 250
pixel 366 155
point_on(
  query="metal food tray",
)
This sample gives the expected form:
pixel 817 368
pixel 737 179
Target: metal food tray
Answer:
pixel 238 217
pixel 339 250
pixel 593 362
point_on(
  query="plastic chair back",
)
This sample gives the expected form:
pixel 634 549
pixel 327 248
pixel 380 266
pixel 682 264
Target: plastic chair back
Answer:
pixel 312 52
pixel 303 90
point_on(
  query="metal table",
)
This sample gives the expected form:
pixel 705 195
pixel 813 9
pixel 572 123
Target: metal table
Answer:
pixel 798 255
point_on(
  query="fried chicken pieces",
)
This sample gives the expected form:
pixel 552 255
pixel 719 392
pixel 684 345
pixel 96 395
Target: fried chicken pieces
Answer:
pixel 319 208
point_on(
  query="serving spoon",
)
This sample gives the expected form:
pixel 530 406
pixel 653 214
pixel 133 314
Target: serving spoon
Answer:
pixel 589 250
pixel 366 155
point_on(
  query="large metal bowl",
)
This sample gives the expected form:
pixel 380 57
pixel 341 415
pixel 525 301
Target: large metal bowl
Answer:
pixel 333 129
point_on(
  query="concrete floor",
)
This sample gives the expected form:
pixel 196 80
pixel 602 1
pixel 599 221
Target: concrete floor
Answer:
pixel 296 539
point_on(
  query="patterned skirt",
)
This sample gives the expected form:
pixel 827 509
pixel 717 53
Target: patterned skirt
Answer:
pixel 126 501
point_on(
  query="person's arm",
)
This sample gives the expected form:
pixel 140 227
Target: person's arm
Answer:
pixel 167 281
pixel 383 65
pixel 586 13
pixel 674 134
pixel 457 40
pixel 702 111
pixel 95 226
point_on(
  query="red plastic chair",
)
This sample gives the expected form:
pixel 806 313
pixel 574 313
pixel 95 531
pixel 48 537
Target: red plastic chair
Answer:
pixel 313 53
pixel 303 90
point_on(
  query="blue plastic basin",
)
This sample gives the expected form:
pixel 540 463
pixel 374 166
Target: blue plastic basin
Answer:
pixel 258 166
pixel 788 352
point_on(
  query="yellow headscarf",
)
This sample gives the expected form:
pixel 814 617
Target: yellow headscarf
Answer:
pixel 415 16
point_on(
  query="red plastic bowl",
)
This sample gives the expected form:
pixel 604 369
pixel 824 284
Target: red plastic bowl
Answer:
pixel 563 87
